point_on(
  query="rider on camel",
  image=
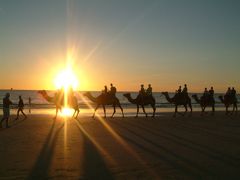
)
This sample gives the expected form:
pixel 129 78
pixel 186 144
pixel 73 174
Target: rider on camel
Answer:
pixel 149 90
pixel 113 90
pixel 233 93
pixel 205 94
pixel 185 90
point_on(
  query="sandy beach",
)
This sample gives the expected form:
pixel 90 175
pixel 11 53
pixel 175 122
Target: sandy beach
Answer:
pixel 122 148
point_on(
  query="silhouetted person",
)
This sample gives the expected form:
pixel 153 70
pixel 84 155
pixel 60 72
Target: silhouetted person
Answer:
pixel 113 90
pixel 20 108
pixel 185 90
pixel 211 92
pixel 142 91
pixel 29 104
pixel 105 91
pixel 149 90
pixel 205 94
pixel 229 91
pixel 6 109
pixel 233 93
pixel 179 89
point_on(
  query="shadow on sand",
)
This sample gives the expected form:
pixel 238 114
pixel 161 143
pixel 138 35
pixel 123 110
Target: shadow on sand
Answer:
pixel 94 166
pixel 43 162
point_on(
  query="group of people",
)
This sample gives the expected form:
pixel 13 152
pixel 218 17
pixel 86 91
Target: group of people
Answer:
pixel 147 92
pixel 111 92
pixel 6 109
pixel 231 93
pixel 182 92
pixel 207 94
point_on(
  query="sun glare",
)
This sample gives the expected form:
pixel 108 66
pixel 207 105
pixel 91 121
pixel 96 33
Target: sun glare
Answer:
pixel 66 79
pixel 67 112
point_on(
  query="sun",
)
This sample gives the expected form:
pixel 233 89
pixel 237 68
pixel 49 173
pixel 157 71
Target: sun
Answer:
pixel 66 79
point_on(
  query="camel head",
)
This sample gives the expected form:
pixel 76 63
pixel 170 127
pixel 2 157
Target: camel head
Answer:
pixel 42 92
pixel 165 93
pixel 86 94
pixel 194 96
pixel 127 95
pixel 221 98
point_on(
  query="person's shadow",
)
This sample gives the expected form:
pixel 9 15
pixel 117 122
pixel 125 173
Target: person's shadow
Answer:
pixel 43 163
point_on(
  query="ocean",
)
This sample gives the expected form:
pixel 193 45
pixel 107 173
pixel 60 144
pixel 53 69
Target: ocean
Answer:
pixel 40 105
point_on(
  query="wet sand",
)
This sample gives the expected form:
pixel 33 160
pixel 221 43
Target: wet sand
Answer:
pixel 193 147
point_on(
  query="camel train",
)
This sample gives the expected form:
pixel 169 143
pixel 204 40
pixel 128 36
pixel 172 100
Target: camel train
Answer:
pixel 144 98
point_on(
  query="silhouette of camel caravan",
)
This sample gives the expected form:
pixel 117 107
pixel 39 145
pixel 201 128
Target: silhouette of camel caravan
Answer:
pixel 142 101
pixel 103 100
pixel 228 101
pixel 205 102
pixel 58 101
pixel 179 99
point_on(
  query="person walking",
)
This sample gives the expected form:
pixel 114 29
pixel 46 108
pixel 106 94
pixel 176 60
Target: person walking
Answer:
pixel 20 108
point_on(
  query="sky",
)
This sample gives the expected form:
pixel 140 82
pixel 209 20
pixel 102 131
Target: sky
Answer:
pixel 125 42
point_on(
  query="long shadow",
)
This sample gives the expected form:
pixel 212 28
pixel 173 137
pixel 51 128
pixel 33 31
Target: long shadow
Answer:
pixel 93 163
pixel 192 128
pixel 13 124
pixel 214 154
pixel 42 165
pixel 223 124
pixel 199 170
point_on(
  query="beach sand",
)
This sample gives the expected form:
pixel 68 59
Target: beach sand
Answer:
pixel 193 147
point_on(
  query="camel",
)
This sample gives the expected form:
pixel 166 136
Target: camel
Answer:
pixel 59 103
pixel 179 100
pixel 142 101
pixel 227 101
pixel 205 102
pixel 104 99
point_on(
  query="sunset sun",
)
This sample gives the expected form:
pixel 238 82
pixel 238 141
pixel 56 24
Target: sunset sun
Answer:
pixel 66 79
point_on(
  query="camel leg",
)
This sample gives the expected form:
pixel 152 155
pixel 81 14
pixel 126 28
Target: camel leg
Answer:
pixel 119 105
pixel 236 108
pixel 190 105
pixel 95 111
pixel 55 117
pixel 202 111
pixel 144 110
pixel 77 110
pixel 176 107
pixel 233 108
pixel 104 110
pixel 185 106
pixel 74 113
pixel 114 110
pixel 226 110
pixel 154 109
pixel 213 109
pixel 137 111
